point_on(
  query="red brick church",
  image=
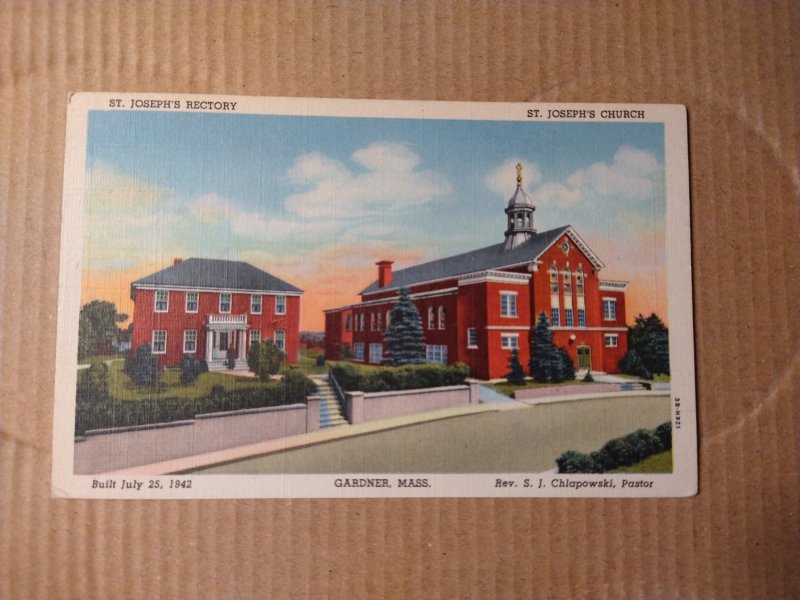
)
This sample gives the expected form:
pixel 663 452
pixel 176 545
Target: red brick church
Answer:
pixel 478 306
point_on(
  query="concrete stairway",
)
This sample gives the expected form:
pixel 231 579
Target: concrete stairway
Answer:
pixel 241 365
pixel 330 413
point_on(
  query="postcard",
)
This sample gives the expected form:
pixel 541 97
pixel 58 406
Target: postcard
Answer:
pixel 325 298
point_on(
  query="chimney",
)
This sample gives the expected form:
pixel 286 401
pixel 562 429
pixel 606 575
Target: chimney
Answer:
pixel 175 261
pixel 384 272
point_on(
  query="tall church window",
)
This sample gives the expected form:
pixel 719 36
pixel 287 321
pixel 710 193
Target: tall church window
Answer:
pixel 555 318
pixel 553 280
pixel 431 318
pixel 581 317
pixel 441 317
pixel 579 281
pixel 567 282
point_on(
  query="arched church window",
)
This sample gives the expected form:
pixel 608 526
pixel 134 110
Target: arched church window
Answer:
pixel 553 280
pixel 567 281
pixel 441 317
pixel 431 318
pixel 579 281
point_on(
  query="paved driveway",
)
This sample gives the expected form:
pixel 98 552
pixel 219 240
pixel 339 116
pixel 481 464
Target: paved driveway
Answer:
pixel 519 440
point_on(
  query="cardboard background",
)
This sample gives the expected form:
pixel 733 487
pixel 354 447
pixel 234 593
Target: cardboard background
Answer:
pixel 735 65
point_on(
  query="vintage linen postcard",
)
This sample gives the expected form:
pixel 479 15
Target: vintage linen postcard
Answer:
pixel 294 297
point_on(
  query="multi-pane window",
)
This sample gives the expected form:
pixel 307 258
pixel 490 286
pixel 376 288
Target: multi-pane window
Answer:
pixel 609 309
pixel 375 353
pixel 436 353
pixel 555 317
pixel 567 281
pixel 508 304
pixel 431 318
pixel 612 340
pixel 581 317
pixel 256 301
pixel 579 281
pixel 472 337
pixel 347 319
pixel 553 280
pixel 225 302
pixel 280 339
pixel 280 305
pixel 358 351
pixel 190 341
pixel 509 341
pixel 441 317
pixel 255 337
pixel 192 301
pixel 568 316
pixel 159 341
pixel 162 300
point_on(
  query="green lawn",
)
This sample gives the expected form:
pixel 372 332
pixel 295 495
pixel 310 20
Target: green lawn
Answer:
pixel 657 463
pixel 169 384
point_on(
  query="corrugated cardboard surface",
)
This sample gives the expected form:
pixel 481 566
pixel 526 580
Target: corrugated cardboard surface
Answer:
pixel 735 65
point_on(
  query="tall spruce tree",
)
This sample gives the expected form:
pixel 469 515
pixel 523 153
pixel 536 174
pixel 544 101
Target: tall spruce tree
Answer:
pixel 405 339
pixel 543 353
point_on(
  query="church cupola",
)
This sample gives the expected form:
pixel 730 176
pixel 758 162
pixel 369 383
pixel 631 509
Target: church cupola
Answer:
pixel 520 216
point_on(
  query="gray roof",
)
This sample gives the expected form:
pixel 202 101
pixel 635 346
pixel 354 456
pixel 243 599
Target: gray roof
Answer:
pixel 216 274
pixel 491 257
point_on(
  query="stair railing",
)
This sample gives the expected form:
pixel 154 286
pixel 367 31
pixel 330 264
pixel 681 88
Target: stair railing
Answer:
pixel 339 393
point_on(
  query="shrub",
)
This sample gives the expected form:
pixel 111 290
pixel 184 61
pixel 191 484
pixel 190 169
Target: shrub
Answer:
pixel 619 452
pixel 252 357
pixel 632 364
pixel 407 377
pixel 144 368
pixel 192 368
pixel 664 433
pixel 268 361
pixel 515 373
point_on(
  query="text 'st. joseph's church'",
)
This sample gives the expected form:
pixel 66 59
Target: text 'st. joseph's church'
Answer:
pixel 478 306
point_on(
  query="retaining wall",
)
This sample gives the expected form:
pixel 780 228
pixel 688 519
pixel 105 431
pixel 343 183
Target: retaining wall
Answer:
pixel 106 450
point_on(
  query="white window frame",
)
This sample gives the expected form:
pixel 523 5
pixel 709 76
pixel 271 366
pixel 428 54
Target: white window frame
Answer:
pixel 255 337
pixel 259 302
pixel 153 341
pixel 569 317
pixel 472 337
pixel 362 322
pixel 554 287
pixel 230 302
pixel 609 309
pixel 611 340
pixel 436 353
pixel 379 319
pixel 567 281
pixel 187 333
pixel 375 353
pixel 508 304
pixel 280 339
pixel 580 281
pixel 280 304
pixel 196 301
pixel 581 317
pixel 441 317
pixel 156 301
pixel 431 318
pixel 358 351
pixel 555 317
pixel 509 341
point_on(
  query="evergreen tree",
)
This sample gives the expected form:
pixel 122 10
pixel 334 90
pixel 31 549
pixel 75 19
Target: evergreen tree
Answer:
pixel 648 348
pixel 515 373
pixel 567 366
pixel 404 337
pixel 543 354
pixel 144 367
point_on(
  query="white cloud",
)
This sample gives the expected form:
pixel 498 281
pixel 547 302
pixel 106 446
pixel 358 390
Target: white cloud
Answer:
pixel 632 175
pixel 211 209
pixel 389 181
pixel 503 179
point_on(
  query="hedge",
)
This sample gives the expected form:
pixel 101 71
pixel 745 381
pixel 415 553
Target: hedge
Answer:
pixel 619 452
pixel 408 377
pixel 93 412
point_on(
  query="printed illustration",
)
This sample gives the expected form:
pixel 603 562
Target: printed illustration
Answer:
pixel 364 300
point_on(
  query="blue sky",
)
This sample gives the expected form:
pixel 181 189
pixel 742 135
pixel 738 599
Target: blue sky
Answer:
pixel 317 200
